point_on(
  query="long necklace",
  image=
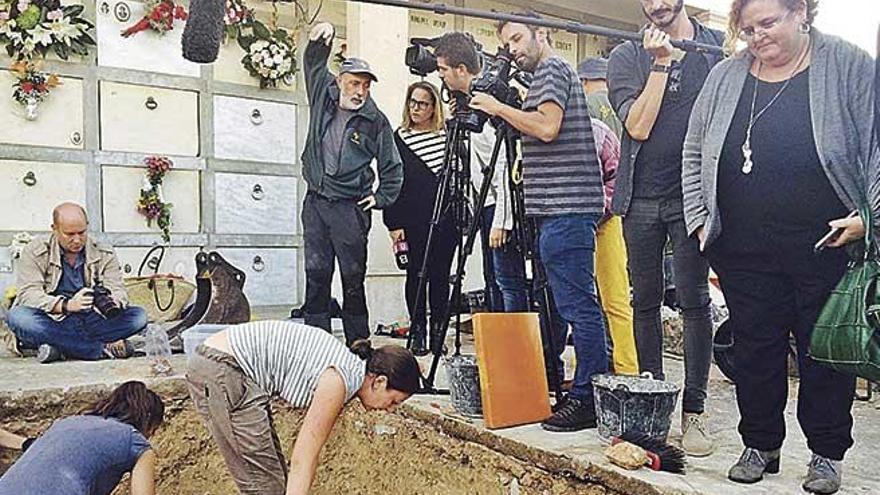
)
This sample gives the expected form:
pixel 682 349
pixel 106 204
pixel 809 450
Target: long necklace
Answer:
pixel 748 164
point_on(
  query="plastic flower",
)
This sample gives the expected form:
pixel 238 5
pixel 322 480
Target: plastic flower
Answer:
pixel 64 30
pixel 41 36
pixel 54 14
pixel 29 17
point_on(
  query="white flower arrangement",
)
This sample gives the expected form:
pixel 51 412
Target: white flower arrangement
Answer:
pixel 270 56
pixel 33 27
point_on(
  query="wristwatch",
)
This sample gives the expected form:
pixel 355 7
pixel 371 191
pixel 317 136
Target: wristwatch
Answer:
pixel 64 305
pixel 660 68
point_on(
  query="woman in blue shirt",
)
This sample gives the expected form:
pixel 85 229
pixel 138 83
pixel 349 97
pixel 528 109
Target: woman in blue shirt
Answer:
pixel 88 454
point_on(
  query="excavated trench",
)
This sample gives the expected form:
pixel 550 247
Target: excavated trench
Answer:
pixel 368 453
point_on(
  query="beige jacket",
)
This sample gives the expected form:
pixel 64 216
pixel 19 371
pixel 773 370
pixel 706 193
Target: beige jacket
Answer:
pixel 38 273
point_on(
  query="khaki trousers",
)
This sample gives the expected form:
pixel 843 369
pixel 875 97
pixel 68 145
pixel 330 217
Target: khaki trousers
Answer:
pixel 238 416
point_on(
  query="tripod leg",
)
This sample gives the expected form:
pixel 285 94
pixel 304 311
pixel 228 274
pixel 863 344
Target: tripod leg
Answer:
pixel 550 327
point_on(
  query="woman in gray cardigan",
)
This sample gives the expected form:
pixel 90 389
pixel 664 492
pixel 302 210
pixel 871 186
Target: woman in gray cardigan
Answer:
pixel 778 148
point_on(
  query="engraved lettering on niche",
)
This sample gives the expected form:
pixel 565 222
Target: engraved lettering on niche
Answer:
pixel 565 46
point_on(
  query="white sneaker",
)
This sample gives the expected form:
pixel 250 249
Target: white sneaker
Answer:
pixel 695 438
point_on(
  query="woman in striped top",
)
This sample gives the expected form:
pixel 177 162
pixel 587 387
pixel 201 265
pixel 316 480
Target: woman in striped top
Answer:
pixel 421 141
pixel 236 372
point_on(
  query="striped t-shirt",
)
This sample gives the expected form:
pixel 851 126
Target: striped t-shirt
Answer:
pixel 561 177
pixel 286 359
pixel 427 145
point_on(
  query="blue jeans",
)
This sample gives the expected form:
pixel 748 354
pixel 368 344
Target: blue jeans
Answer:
pixel 79 335
pixel 567 245
pixel 504 271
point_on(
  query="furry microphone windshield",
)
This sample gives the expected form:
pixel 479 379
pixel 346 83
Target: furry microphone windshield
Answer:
pixel 203 31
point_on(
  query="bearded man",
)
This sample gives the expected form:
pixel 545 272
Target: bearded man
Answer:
pixel 347 132
pixel 652 87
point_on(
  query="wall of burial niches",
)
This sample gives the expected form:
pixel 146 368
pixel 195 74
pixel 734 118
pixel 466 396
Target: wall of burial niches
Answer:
pixel 235 185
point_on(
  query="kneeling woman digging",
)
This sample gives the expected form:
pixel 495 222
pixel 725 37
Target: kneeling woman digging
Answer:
pixel 236 372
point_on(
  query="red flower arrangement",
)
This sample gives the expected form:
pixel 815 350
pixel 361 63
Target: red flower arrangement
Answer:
pixel 160 16
pixel 152 203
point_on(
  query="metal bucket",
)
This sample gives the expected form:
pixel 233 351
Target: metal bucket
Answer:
pixel 464 385
pixel 632 403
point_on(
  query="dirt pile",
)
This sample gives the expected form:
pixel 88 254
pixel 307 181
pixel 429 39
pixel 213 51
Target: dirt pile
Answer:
pixel 368 453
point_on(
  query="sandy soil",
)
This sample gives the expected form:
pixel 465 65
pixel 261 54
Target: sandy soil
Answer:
pixel 368 453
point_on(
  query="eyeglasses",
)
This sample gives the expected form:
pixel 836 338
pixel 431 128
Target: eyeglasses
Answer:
pixel 748 33
pixel 419 105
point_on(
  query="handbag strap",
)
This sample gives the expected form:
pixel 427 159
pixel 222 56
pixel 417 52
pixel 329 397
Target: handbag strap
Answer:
pixel 146 260
pixel 155 285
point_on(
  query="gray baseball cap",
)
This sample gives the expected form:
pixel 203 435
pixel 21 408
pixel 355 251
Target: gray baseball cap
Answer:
pixel 354 65
pixel 593 68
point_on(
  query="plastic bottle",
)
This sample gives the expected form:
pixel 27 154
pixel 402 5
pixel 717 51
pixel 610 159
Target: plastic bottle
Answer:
pixel 158 350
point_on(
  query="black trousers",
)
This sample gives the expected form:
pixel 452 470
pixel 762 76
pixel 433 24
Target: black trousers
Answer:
pixel 438 268
pixel 771 296
pixel 336 230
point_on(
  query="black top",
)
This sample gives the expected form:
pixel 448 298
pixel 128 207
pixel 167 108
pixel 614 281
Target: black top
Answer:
pixel 787 196
pixel 415 204
pixel 657 172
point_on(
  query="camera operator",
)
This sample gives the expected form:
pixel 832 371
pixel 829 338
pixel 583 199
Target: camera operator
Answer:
pixel 564 193
pixel 59 309
pixel 458 64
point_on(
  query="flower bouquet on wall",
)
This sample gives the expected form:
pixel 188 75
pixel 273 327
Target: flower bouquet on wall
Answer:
pixel 270 54
pixel 32 87
pixel 151 203
pixel 237 16
pixel 31 28
pixel 159 15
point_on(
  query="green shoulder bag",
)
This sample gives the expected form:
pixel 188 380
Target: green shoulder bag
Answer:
pixel 846 337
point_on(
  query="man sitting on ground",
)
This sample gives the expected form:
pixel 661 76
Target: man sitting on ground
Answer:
pixel 57 311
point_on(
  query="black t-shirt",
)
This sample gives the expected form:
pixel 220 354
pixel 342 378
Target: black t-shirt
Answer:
pixel 787 197
pixel 657 172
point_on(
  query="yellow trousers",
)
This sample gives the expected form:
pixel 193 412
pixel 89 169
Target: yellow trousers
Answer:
pixel 612 280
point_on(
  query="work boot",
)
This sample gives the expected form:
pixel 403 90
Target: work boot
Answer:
pixel 120 349
pixel 574 415
pixel 418 330
pixel 752 465
pixel 48 354
pixel 695 438
pixel 823 476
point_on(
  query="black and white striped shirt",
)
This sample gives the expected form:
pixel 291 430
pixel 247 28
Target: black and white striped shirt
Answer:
pixel 286 359
pixel 561 177
pixel 427 145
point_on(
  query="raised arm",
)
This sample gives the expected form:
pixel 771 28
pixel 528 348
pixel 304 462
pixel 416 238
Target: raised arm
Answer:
pixel 315 58
pixel 637 105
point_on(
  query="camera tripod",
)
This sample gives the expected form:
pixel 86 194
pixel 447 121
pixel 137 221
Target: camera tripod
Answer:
pixel 452 199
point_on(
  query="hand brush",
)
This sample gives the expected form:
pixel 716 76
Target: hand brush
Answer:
pixel 659 455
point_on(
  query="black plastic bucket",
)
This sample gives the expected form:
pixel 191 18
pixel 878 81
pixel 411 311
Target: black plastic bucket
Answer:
pixel 464 385
pixel 632 403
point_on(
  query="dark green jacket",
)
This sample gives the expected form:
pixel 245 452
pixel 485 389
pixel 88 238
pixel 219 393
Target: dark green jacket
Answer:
pixel 367 136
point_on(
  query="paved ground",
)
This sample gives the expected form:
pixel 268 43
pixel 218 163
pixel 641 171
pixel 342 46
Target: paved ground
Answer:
pixel 705 476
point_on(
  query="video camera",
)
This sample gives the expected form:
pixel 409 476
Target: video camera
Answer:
pixel 494 79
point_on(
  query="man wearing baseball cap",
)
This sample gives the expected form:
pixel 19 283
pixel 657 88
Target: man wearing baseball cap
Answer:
pixel 593 73
pixel 347 131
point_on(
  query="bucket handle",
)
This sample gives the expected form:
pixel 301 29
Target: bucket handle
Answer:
pixel 645 375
